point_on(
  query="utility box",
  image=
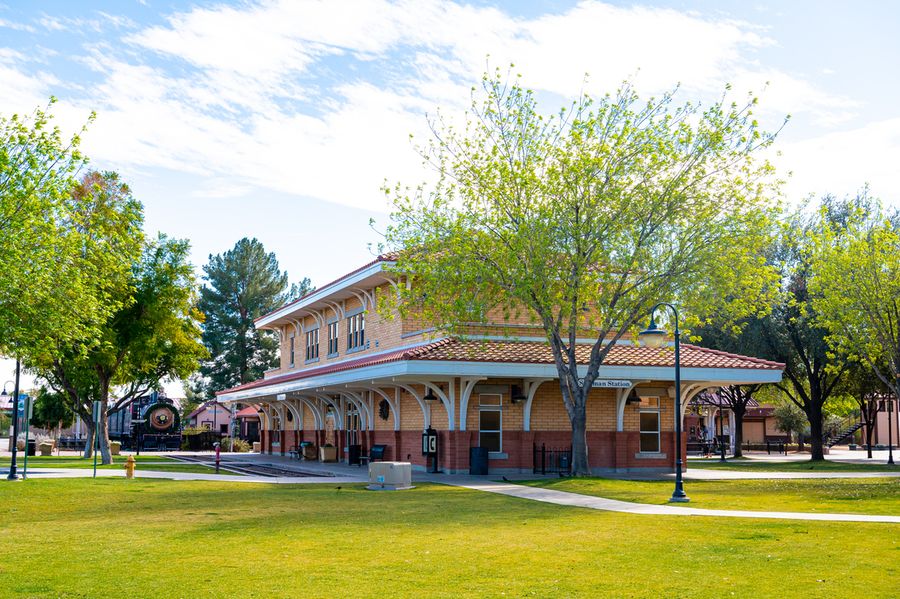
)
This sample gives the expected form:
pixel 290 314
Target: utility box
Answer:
pixel 390 476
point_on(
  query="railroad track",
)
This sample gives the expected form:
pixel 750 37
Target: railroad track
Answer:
pixel 267 470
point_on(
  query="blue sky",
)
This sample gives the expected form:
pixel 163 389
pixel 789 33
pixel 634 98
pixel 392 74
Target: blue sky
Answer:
pixel 281 120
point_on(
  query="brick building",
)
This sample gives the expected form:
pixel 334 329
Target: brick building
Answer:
pixel 353 378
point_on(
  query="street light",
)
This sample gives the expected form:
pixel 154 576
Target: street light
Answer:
pixel 654 336
pixel 15 440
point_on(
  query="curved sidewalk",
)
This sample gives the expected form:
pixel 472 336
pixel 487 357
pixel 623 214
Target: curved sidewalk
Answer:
pixel 613 505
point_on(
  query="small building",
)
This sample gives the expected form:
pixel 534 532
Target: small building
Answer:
pixel 212 416
pixel 352 378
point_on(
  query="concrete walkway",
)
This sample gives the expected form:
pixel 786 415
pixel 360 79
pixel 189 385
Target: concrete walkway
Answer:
pixel 116 473
pixel 613 505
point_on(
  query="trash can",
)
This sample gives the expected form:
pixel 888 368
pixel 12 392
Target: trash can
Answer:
pixel 32 447
pixel 353 453
pixel 478 460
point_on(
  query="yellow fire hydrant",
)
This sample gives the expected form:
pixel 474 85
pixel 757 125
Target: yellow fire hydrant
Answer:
pixel 129 467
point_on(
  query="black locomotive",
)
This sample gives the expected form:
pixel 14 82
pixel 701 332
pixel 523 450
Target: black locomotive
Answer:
pixel 147 423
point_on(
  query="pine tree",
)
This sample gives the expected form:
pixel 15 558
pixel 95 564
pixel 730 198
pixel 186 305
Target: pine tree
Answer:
pixel 241 284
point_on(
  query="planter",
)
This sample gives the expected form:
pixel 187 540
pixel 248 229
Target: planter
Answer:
pixel 46 448
pixel 308 451
pixel 256 446
pixel 328 454
pixel 115 447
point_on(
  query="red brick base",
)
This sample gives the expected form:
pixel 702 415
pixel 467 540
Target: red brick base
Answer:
pixel 608 451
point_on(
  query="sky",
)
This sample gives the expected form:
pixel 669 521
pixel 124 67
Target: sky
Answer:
pixel 282 120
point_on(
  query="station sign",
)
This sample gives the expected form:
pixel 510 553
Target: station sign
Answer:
pixel 611 384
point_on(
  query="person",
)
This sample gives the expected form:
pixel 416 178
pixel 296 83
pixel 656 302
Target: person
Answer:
pixel 704 439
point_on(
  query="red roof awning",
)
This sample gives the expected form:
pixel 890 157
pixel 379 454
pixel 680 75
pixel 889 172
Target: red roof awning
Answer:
pixel 530 352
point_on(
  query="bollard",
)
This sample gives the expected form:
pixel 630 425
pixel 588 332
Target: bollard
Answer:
pixel 129 467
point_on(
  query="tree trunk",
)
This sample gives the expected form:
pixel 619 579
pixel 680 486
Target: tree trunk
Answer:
pixel 816 445
pixel 89 442
pixel 738 431
pixel 869 432
pixel 580 466
pixel 105 455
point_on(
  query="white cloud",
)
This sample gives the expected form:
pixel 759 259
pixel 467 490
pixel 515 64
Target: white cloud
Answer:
pixel 16 26
pixel 842 162
pixel 318 98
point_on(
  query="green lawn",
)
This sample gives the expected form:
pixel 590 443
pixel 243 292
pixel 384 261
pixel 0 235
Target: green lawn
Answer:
pixel 837 495
pixel 144 462
pixel 144 538
pixel 748 464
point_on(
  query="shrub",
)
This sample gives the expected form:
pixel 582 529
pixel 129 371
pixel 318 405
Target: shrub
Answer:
pixel 239 445
pixel 193 430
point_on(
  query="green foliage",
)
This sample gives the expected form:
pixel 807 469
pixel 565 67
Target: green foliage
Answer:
pixel 790 418
pixel 51 410
pixel 584 220
pixel 53 231
pixel 154 335
pixel 5 423
pixel 791 331
pixel 193 430
pixel 857 287
pixel 241 285
pixel 239 445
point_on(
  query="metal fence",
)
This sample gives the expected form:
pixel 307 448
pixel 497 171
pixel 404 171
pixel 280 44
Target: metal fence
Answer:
pixel 552 460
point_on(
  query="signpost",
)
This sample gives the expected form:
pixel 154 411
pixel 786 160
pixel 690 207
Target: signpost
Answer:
pixel 96 439
pixel 25 406
pixel 138 433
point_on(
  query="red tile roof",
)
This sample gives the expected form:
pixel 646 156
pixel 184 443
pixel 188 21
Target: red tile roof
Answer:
pixel 531 352
pixel 248 412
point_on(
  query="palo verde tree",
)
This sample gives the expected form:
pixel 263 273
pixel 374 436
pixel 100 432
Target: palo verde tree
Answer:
pixel 242 284
pixel 155 335
pixel 583 220
pixel 857 288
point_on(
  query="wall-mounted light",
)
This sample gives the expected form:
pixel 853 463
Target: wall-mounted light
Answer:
pixel 516 395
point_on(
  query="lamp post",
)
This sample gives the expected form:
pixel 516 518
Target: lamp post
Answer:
pixel 654 336
pixel 12 461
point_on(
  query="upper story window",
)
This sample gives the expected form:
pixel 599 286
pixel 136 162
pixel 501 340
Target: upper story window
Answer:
pixel 356 331
pixel 333 338
pixel 312 345
pixel 291 349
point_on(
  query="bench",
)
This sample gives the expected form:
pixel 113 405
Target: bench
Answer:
pixel 376 453
pixel 294 452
